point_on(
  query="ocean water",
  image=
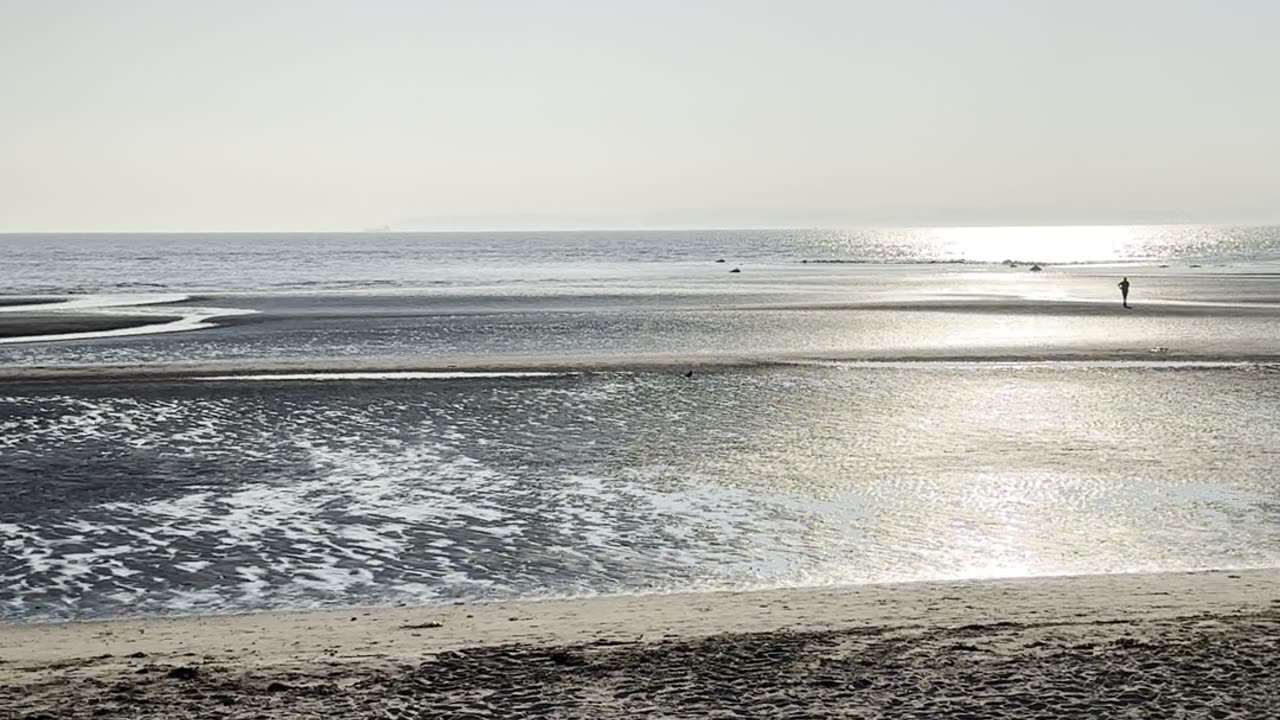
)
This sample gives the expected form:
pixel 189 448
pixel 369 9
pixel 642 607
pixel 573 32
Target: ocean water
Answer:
pixel 903 406
pixel 540 263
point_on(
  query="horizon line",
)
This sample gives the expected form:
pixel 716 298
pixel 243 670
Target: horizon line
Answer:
pixel 674 228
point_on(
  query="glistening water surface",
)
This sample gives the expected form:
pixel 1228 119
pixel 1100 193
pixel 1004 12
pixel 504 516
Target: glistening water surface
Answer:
pixel 837 310
pixel 198 496
pixel 335 262
pixel 122 492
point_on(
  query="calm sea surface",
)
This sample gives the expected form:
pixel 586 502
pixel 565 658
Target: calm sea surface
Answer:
pixel 59 264
pixel 915 419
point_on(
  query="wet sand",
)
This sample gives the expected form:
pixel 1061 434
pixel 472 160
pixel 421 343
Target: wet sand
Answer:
pixel 1159 645
pixel 888 315
pixel 1264 307
pixel 18 301
pixel 15 325
pixel 231 371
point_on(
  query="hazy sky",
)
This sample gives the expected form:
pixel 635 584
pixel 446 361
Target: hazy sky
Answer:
pixel 326 115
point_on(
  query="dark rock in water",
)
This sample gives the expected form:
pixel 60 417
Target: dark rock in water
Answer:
pixel 720 260
pixel 567 658
pixel 278 686
pixel 183 672
pixel 1036 268
pixel 736 270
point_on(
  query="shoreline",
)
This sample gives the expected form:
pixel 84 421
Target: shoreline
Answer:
pixel 228 371
pixel 783 650
pixel 1109 595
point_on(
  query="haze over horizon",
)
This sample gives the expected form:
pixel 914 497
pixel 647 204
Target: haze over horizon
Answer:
pixel 143 115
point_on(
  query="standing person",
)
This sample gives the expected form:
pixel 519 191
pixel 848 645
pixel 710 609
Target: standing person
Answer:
pixel 1124 292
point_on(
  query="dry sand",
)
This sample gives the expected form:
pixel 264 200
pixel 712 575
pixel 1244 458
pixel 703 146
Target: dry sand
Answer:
pixel 1160 645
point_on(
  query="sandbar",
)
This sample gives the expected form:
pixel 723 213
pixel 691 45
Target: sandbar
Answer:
pixel 14 325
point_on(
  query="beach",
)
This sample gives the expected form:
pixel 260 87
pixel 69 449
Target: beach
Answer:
pixel 639 361
pixel 1150 645
pixel 133 491
pixel 602 485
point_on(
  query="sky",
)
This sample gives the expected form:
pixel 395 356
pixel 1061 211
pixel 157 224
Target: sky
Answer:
pixel 309 115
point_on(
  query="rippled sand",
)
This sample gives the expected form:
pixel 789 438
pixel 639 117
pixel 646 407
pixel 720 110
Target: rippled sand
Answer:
pixel 1169 645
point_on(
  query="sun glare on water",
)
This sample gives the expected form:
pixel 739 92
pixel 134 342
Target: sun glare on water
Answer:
pixel 1034 244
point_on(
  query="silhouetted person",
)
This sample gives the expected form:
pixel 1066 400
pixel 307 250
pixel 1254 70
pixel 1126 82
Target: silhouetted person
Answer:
pixel 1124 292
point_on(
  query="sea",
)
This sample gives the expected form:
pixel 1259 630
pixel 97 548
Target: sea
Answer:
pixel 288 421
